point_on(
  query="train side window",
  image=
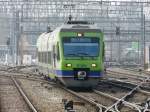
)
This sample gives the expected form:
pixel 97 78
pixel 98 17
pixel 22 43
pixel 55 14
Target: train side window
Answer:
pixel 54 57
pixel 46 60
pixel 42 57
pixel 45 56
pixel 103 50
pixel 38 57
pixel 58 54
pixel 49 57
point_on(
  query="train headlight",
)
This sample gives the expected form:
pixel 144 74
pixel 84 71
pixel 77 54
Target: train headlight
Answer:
pixel 68 65
pixel 93 65
pixel 80 34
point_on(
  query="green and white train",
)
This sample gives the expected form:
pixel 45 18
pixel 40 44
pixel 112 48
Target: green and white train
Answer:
pixel 72 54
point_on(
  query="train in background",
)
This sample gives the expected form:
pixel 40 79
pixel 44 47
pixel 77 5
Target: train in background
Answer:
pixel 73 54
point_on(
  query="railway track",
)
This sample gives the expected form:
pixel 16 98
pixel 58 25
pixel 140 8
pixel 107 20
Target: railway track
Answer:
pixel 100 101
pixel 134 83
pixel 130 77
pixel 132 95
pixel 54 97
pixel 40 85
pixel 13 98
pixel 90 98
pixel 137 70
pixel 105 102
pixel 126 76
pixel 129 72
pixel 110 96
pixel 23 75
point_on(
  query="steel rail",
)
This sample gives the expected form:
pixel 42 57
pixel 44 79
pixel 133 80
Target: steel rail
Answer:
pixel 23 95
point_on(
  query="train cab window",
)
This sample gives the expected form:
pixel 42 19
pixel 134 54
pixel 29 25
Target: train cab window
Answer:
pixel 81 47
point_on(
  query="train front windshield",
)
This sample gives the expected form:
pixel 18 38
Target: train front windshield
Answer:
pixel 81 47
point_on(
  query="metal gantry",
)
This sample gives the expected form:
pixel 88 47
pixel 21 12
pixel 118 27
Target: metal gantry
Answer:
pixel 125 25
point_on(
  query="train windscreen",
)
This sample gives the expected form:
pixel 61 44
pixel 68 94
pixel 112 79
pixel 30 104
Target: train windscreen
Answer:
pixel 81 47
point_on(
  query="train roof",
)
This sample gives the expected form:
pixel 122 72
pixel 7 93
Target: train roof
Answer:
pixel 70 26
pixel 79 26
